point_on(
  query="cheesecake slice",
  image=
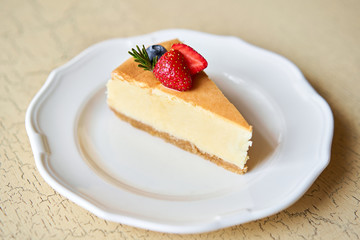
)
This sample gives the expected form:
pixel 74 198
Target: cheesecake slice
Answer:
pixel 200 120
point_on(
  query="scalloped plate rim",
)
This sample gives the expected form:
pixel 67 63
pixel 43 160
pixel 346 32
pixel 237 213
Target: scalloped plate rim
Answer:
pixel 39 148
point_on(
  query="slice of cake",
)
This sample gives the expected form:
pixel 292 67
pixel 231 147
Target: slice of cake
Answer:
pixel 198 118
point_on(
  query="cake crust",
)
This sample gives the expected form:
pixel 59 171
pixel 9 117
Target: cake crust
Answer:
pixel 185 145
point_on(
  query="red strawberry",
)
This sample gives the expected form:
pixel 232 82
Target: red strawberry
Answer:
pixel 193 59
pixel 171 70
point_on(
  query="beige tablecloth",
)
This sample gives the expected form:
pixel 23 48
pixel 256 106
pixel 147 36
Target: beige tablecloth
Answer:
pixel 321 37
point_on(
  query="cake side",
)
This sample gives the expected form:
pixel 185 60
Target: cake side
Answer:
pixel 185 145
pixel 211 133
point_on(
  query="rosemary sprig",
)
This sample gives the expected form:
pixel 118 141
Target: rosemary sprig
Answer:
pixel 142 57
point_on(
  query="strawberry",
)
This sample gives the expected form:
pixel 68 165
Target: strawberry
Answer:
pixel 171 70
pixel 193 59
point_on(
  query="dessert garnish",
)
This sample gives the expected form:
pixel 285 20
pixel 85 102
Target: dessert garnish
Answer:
pixel 155 52
pixel 193 59
pixel 173 68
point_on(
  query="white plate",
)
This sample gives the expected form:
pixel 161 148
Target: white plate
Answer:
pixel 125 175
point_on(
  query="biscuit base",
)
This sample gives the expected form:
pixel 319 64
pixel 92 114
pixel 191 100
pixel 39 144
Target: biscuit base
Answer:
pixel 185 145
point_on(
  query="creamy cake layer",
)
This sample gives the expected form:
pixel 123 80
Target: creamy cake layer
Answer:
pixel 210 132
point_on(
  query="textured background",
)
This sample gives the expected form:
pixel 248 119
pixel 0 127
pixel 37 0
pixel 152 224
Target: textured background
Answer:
pixel 321 37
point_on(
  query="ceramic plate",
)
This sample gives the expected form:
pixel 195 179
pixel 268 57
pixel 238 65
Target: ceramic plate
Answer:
pixel 125 175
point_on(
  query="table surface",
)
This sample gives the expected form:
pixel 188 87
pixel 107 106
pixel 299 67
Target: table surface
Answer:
pixel 321 37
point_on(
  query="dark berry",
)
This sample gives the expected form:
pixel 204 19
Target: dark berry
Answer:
pixel 155 51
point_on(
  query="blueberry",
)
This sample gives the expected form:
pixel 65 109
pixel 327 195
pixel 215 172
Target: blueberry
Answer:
pixel 155 51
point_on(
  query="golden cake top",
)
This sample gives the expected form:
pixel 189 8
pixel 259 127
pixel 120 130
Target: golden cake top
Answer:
pixel 204 92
